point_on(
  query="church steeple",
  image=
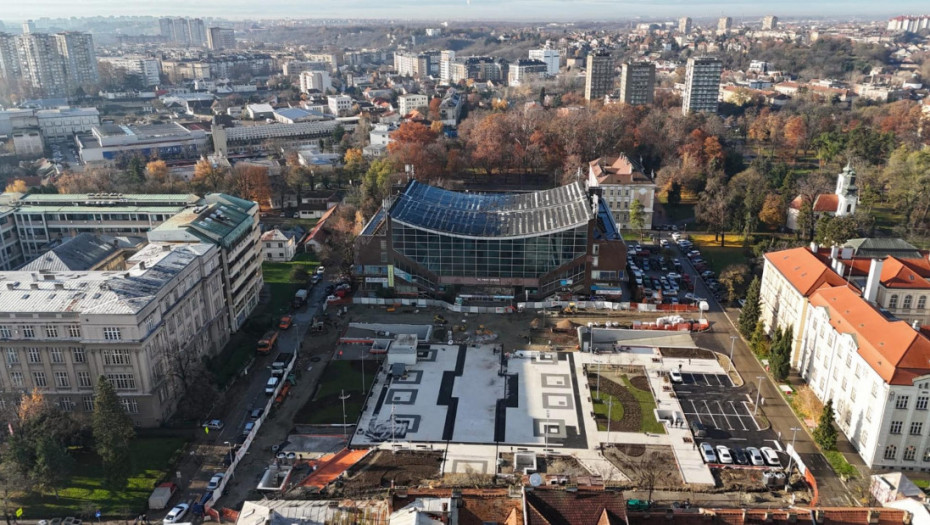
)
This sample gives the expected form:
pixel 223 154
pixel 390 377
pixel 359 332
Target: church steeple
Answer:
pixel 847 191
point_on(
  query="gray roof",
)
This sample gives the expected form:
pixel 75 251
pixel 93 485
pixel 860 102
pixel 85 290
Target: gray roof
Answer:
pixel 883 247
pixel 502 215
pixel 82 252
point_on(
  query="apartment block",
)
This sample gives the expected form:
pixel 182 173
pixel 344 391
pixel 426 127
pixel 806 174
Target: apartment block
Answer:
pixel 599 76
pixel 702 85
pixel 724 25
pixel 219 38
pixel 684 25
pixel 769 23
pixel 50 65
pixel 146 68
pixel 637 83
pixel 549 56
pixel 411 101
pixel 315 80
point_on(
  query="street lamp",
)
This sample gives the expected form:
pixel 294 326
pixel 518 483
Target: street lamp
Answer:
pixel 732 341
pixel 343 396
pixel 229 452
pixel 758 394
pixel 794 434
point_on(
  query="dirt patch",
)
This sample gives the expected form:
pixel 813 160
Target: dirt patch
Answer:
pixel 746 480
pixel 646 465
pixel 692 353
pixel 632 415
pixel 640 382
pixel 382 468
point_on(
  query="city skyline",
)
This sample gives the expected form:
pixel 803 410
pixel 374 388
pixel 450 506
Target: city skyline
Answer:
pixel 462 9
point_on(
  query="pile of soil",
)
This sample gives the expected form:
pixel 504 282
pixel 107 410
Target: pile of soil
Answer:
pixel 381 468
pixel 682 353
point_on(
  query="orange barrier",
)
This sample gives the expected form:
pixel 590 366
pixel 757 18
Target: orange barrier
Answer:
pixel 329 470
pixel 809 477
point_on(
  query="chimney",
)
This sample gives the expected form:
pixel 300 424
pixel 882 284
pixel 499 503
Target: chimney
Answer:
pixel 814 247
pixel 141 265
pixel 873 280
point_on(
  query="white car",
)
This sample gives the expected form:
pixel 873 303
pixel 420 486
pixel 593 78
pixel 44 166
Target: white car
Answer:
pixel 320 270
pixel 215 481
pixel 723 452
pixel 178 512
pixel 675 376
pixel 755 457
pixel 271 385
pixel 707 452
pixel 771 457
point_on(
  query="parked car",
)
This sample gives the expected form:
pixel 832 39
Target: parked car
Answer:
pixel 215 481
pixel 247 429
pixel 707 452
pixel 675 376
pixel 320 270
pixel 771 457
pixel 698 429
pixel 755 457
pixel 214 424
pixel 271 385
pixel 178 512
pixel 723 453
pixel 256 413
pixel 286 322
pixel 739 456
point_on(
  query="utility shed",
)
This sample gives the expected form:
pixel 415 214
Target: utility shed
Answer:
pixel 403 350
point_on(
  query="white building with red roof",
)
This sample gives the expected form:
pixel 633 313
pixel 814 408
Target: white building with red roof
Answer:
pixel 620 181
pixel 841 202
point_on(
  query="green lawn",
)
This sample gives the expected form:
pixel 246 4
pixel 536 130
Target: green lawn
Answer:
pixel 298 270
pixel 840 465
pixel 719 258
pixel 600 408
pixel 339 377
pixel 646 406
pixel 150 460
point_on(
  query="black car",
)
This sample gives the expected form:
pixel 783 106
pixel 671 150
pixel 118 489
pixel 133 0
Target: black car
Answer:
pixel 739 456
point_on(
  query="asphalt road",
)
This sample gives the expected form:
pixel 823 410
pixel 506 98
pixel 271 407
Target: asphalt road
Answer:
pixel 833 492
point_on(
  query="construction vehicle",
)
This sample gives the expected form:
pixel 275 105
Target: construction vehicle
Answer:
pixel 316 325
pixel 268 342
pixel 300 298
pixel 439 320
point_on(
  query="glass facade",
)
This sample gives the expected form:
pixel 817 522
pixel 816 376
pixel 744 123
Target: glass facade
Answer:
pixel 529 257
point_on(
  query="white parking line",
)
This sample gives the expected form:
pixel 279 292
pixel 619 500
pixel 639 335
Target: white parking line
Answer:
pixel 739 417
pixel 711 414
pixel 725 416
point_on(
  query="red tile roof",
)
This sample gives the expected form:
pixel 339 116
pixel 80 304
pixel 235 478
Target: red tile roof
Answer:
pixel 617 170
pixel 897 274
pixel 804 270
pixel 827 202
pixel 892 348
pixel 794 515
pixel 584 507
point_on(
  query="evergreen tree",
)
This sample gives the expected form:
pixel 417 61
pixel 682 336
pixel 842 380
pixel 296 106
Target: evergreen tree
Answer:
pixel 780 354
pixel 825 433
pixel 113 431
pixel 749 315
pixel 759 341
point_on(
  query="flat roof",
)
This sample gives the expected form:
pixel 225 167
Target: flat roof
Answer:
pixel 503 215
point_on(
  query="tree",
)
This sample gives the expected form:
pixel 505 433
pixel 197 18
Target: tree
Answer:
pixel 251 182
pixel 53 464
pixel 825 433
pixel 18 186
pixel 112 429
pixel 749 315
pixel 780 354
pixel 207 177
pixel 734 277
pixel 796 133
pixel 673 192
pixel 713 207
pixel 832 230
pixel 637 217
pixel 759 341
pixel 773 213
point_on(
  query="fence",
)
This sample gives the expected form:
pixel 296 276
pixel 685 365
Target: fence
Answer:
pixel 539 305
pixel 806 472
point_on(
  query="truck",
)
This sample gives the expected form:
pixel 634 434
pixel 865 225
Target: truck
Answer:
pixel 268 342
pixel 281 362
pixel 300 298
pixel 161 496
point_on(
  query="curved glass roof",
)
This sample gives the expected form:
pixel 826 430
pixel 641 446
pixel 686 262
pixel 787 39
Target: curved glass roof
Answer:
pixel 492 215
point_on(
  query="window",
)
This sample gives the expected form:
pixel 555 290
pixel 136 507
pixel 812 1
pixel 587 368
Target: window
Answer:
pixel 112 333
pixel 907 302
pixel 891 452
pixel 88 402
pixel 16 379
pixel 852 394
pixel 78 355
pixel 84 380
pixel 902 402
pixel 74 330
pixel 55 355
pixel 895 427
pixel 51 331
pixel 858 370
pixel 921 302
pixel 927 455
pixel 35 356
pixel 29 331
pixel 893 301
pixel 909 453
pixel 843 386
pixel 916 428
pixel 868 414
pixel 66 404
pixel 12 356
pixel 131 406
pixel 921 403
pixel 5 332
pixel 116 357
pixel 39 379
pixel 122 381
pixel 874 388
pixel 848 360
pixel 61 380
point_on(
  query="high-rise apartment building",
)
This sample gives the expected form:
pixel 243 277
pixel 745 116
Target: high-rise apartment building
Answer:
pixel 221 38
pixel 599 76
pixel 188 31
pixel 318 80
pixel 52 65
pixel 684 25
pixel 702 84
pixel 550 57
pixel 445 66
pixel 197 32
pixel 29 27
pixel 80 60
pixel 637 83
pixel 769 23
pixel 724 25
pixel 413 64
pixel 146 68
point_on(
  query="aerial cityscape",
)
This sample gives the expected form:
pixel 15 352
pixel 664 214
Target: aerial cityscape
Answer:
pixel 529 263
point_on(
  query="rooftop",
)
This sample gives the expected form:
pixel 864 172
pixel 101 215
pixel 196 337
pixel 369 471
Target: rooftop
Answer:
pixel 618 170
pixel 504 215
pixel 883 246
pixel 584 507
pixel 804 270
pixel 220 220
pixel 82 252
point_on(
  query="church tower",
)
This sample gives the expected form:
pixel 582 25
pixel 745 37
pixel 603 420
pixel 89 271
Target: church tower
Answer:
pixel 847 192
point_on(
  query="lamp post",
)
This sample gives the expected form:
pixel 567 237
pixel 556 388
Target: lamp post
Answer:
pixel 229 451
pixel 732 341
pixel 343 396
pixel 794 434
pixel 758 394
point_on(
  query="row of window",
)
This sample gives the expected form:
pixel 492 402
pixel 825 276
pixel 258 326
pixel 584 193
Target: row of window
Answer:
pixel 908 301
pixel 917 427
pixel 67 404
pixel 891 452
pixel 111 333
pixel 63 380
pixel 78 355
pixel 903 401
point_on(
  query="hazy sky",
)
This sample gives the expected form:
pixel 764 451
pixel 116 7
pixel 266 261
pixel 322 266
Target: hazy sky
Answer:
pixel 457 9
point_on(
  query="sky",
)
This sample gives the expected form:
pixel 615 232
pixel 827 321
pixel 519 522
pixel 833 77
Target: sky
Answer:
pixel 539 10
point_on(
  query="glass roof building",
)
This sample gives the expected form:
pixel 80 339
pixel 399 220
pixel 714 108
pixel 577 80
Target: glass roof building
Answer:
pixel 500 247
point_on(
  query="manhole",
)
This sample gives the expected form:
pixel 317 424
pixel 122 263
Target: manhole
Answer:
pixel 315 359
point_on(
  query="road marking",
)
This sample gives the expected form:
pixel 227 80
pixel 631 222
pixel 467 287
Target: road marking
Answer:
pixel 777 444
pixel 309 368
pixel 725 416
pixel 707 380
pixel 749 415
pixel 738 417
pixel 709 413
